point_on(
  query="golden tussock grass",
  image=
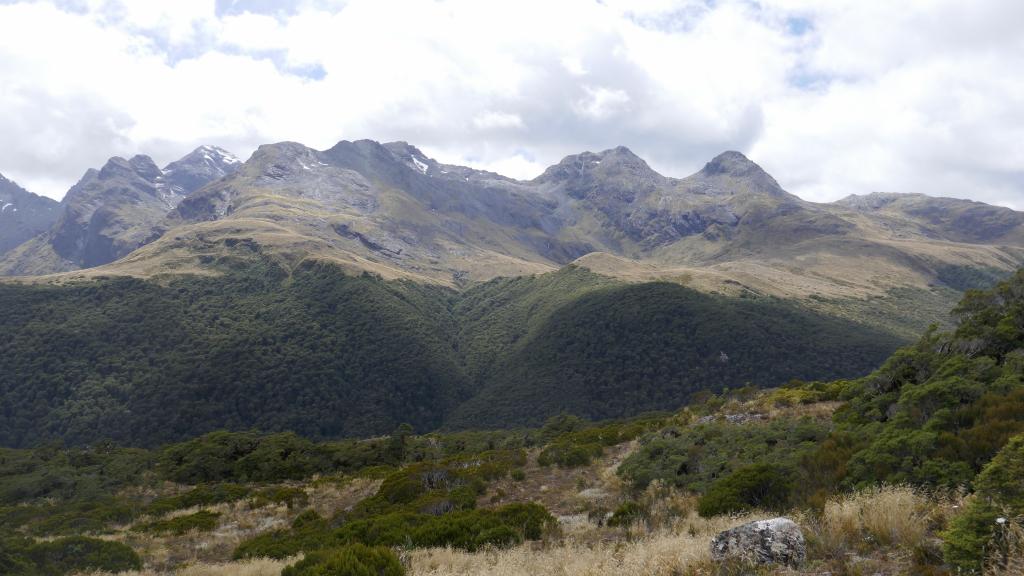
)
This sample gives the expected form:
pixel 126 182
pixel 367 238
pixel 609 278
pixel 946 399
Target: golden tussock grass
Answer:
pixel 684 549
pixel 888 516
pixel 256 567
pixel 1008 560
pixel 328 498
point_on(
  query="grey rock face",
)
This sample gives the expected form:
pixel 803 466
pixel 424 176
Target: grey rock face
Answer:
pixel 774 541
pixel 112 211
pixel 23 214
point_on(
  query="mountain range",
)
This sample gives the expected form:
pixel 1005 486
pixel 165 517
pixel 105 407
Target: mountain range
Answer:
pixel 345 291
pixel 389 209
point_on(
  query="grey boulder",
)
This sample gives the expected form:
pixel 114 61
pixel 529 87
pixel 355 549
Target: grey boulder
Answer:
pixel 774 541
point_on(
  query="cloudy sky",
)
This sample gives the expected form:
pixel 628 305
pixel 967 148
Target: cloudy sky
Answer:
pixel 831 97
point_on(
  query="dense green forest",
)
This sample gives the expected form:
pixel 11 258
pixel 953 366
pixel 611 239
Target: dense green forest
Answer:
pixel 618 350
pixel 139 362
pixel 328 355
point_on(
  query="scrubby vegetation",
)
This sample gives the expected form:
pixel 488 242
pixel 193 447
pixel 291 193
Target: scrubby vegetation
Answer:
pixel 20 557
pixel 325 355
pixel 693 457
pixel 936 412
pixel 202 521
pixel 982 532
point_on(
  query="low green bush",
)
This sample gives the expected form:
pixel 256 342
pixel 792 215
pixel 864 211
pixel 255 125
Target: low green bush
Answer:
pixel 202 521
pixel 199 496
pixel 65 555
pixel 569 455
pixel 467 530
pixel 352 560
pixel 693 457
pixel 764 486
pixel 78 516
pixel 245 457
pixel 288 495
pixel 627 513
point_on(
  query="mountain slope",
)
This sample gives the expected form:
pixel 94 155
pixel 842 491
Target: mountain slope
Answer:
pixel 606 350
pixel 112 211
pixel 949 219
pixel 318 353
pixel 22 214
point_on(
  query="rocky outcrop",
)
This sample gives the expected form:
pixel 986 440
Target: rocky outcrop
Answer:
pixel 774 541
pixel 23 214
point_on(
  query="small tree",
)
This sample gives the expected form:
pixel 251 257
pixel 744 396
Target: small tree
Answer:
pixel 398 445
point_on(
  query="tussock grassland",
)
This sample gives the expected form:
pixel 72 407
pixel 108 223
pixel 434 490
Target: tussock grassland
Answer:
pixel 255 567
pixel 681 550
pixel 886 515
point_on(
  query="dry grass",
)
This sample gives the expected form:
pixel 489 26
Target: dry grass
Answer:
pixel 887 516
pixel 564 491
pixel 256 567
pixel 328 498
pixel 238 522
pixel 1009 559
pixel 684 549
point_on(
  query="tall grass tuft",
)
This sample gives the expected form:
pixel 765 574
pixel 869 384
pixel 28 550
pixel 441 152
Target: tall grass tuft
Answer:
pixel 887 516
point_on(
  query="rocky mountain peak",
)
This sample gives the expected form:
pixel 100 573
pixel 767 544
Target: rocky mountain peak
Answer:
pixel 282 160
pixel 144 166
pixel 137 166
pixel 411 156
pixel 618 163
pixel 732 163
pixel 200 167
pixel 733 166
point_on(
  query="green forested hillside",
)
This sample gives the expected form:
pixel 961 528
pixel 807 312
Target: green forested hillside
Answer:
pixel 329 355
pixel 317 353
pixel 621 349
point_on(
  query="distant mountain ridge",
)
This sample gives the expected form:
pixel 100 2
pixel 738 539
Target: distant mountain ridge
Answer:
pixel 112 211
pixel 389 209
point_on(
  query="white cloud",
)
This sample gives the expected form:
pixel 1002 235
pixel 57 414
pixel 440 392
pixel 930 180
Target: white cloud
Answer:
pixel 601 103
pixel 497 120
pixel 831 97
